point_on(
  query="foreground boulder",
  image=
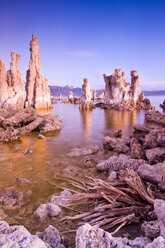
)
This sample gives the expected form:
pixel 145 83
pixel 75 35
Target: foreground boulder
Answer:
pixel 20 237
pixel 88 236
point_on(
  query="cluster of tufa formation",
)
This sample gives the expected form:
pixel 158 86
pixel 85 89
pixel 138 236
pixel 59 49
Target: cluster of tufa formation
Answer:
pixel 85 100
pixel 121 95
pixel 13 93
pixel 12 87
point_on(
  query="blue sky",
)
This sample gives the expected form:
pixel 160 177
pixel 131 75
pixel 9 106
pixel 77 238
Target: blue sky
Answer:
pixel 81 39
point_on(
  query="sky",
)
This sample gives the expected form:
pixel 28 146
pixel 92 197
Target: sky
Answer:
pixel 87 38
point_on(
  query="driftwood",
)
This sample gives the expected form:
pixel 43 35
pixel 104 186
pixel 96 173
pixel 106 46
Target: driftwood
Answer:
pixel 126 201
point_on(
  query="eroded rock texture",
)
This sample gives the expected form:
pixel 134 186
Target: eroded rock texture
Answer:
pixel 38 92
pixel 85 100
pixel 12 87
pixel 121 95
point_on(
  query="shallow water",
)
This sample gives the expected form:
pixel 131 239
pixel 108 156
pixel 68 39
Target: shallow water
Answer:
pixel 80 128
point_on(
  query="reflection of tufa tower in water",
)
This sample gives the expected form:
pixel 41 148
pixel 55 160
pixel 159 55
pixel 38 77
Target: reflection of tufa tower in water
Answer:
pixel 87 123
pixel 124 120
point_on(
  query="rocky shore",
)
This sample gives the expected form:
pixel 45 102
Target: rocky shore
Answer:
pixel 140 157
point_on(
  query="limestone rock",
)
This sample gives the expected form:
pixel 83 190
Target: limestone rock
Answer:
pixel 155 138
pixel 61 199
pixel 120 162
pixel 85 100
pixel 38 92
pixel 151 229
pixel 112 176
pixel 12 87
pixel 88 236
pixel 159 207
pixel 18 236
pixel 153 173
pixel 40 136
pixel 47 210
pixel 159 242
pixel 115 144
pixel 155 155
pixel 50 122
pixel 120 95
pixel 51 237
pixel 137 150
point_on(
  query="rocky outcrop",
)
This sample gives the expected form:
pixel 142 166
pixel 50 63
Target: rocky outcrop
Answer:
pixel 38 92
pixel 153 120
pixel 85 100
pixel 20 122
pixel 12 87
pixel 121 95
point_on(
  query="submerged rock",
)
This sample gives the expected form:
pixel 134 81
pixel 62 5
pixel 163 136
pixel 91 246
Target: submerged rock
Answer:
pixel 10 198
pixel 77 152
pixel 61 199
pixel 27 151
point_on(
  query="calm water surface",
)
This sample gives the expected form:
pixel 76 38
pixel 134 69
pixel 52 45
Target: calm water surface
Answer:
pixel 80 128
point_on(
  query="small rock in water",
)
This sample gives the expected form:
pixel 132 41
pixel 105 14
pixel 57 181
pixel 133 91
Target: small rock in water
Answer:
pixel 40 136
pixel 27 151
pixel 17 147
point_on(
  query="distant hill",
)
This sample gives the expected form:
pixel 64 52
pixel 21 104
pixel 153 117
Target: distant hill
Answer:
pixel 154 93
pixel 64 90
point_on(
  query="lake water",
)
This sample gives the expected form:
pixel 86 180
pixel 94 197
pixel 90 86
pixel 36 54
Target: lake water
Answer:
pixel 79 128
